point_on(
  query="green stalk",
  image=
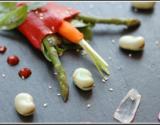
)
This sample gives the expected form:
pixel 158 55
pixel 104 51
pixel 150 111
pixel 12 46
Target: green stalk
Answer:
pixel 116 21
pixel 50 52
pixel 99 62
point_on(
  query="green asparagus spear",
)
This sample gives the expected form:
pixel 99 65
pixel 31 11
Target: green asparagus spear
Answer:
pixel 116 21
pixel 50 52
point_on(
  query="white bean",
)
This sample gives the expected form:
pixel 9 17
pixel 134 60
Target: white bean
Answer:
pixel 24 104
pixel 132 42
pixel 145 5
pixel 83 79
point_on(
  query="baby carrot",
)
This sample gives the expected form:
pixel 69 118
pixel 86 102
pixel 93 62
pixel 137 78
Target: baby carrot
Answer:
pixel 70 33
pixel 73 35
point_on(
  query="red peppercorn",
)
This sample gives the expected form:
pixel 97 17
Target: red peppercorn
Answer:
pixel 3 49
pixel 13 60
pixel 24 73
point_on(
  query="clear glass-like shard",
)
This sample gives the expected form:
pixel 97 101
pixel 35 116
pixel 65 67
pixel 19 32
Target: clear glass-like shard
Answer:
pixel 127 108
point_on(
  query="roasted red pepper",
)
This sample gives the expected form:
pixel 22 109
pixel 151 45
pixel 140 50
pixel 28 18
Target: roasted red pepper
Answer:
pixel 44 21
pixel 40 27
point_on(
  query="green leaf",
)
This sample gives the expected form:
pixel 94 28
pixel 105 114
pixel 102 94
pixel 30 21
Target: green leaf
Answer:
pixel 13 18
pixel 35 5
pixel 45 52
pixel 87 32
pixel 85 28
pixel 7 6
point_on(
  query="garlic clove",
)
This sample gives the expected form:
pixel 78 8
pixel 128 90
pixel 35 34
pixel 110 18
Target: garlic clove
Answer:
pixel 83 79
pixel 132 43
pixel 24 104
pixel 145 5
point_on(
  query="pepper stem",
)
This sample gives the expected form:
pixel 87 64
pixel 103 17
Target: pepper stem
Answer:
pixel 130 22
pixel 51 54
pixel 99 62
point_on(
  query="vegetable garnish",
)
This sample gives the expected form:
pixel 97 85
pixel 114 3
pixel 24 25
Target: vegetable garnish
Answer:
pixel 53 29
pixel 73 35
pixel 50 52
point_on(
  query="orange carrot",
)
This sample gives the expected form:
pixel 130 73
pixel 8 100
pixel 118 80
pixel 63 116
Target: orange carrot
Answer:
pixel 70 33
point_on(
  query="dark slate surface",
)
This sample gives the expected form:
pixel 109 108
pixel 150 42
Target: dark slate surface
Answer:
pixel 141 72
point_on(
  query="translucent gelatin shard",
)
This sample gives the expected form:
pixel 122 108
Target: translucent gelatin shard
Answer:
pixel 127 108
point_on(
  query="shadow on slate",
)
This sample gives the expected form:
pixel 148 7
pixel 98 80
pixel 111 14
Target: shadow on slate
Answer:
pixel 27 118
pixel 146 12
pixel 85 94
pixel 137 55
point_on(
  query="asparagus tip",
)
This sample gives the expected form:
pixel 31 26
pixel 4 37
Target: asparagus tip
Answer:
pixel 133 23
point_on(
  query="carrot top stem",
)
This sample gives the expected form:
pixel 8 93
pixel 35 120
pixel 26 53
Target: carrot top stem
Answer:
pixel 99 62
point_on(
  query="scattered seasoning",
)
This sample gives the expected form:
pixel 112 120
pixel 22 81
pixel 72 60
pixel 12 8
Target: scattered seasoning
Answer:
pixel 88 105
pixel 24 73
pixel 13 60
pixel 157 43
pixel 130 55
pixel 3 49
pixel 103 80
pixel 113 41
pixel 58 94
pixel 110 58
pixel 3 75
pixel 45 105
pixel 49 86
pixel 111 89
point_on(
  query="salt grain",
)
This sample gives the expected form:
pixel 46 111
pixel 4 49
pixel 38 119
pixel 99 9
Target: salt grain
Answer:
pixel 3 75
pixel 110 58
pixel 111 89
pixel 58 94
pixel 113 41
pixel 130 55
pixel 88 105
pixel 157 43
pixel 49 86
pixel 103 80
pixel 45 105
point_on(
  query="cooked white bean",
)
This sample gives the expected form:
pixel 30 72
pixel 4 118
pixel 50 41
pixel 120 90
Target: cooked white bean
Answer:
pixel 145 5
pixel 83 79
pixel 132 42
pixel 24 104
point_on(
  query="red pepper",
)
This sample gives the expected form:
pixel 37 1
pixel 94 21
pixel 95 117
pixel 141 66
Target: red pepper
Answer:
pixel 44 21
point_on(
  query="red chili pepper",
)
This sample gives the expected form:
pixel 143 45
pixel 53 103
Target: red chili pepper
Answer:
pixel 44 21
